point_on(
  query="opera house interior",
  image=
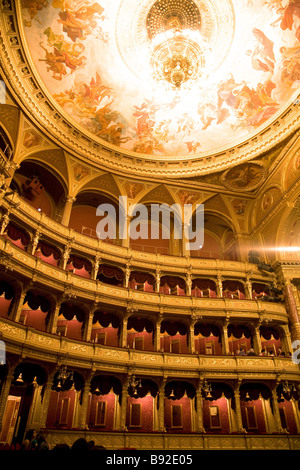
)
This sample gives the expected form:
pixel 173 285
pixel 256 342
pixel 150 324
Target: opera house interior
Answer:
pixel 150 343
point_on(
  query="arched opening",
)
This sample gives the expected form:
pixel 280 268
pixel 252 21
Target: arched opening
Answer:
pixel 142 281
pixel 288 402
pixel 79 266
pixel 218 400
pixel 174 337
pixel 153 230
pixel 36 311
pixel 172 285
pixel 204 288
pixel 140 333
pixel 105 329
pixel 28 380
pixel 40 186
pixel 141 405
pixel 66 395
pixel 179 406
pixel 71 321
pixel 207 339
pixel 84 219
pixel 270 341
pixel 233 289
pixel 255 407
pixel 240 339
pixel 106 393
pixel 18 236
pixel 110 275
pixel 7 294
pixel 48 253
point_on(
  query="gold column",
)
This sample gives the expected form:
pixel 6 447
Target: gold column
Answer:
pixel 54 316
pixel 89 324
pixel 291 307
pixel 85 403
pixel 46 400
pixel 257 340
pixel 157 280
pixel 124 405
pixel 225 344
pixel 19 304
pixel 238 411
pixel 157 334
pixel 161 406
pixel 191 337
pixel 124 331
pixel 6 389
pixel 199 402
pixel 276 410
pixel 286 340
pixel 67 210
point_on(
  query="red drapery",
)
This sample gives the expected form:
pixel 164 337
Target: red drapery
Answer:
pixel 179 389
pixel 7 290
pixel 206 330
pixel 232 286
pixel 37 301
pixel 267 332
pixel 80 263
pixel 111 271
pixel 141 277
pixel 238 330
pixel 138 324
pixel 69 311
pixel 15 233
pixel 204 284
pixel 105 319
pixel 48 250
pixel 172 328
pixel 172 281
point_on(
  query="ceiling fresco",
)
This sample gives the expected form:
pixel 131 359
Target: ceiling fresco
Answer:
pixel 167 77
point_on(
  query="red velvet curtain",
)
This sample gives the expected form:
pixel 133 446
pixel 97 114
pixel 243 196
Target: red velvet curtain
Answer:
pixel 69 311
pixel 254 389
pixel 267 332
pixel 15 233
pixel 111 271
pixel 138 324
pixel 48 250
pixel 7 289
pixel 105 319
pixel 172 328
pixel 172 282
pixel 141 277
pixel 232 286
pixel 37 301
pixel 105 384
pixel 80 263
pixel 258 288
pixel 206 330
pixel 204 284
pixel 146 387
pixel 179 389
pixel 238 330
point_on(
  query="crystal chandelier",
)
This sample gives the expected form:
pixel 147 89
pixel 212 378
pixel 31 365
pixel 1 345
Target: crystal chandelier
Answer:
pixel 177 50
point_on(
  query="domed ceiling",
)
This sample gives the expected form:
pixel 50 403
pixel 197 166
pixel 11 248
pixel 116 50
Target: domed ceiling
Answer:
pixel 167 77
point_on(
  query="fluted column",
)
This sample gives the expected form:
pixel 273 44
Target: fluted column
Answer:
pixel 248 289
pixel 238 411
pixel 161 406
pixel 89 324
pixel 67 210
pixel 286 340
pixel 189 282
pixel 66 255
pixel 46 400
pixel 6 389
pixel 199 404
pixel 124 405
pixel 54 316
pixel 85 403
pixel 276 410
pixel 157 334
pixel 18 307
pixel 124 331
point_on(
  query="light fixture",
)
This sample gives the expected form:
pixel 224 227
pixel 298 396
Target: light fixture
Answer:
pixel 172 394
pixel 19 380
pixel 286 387
pixel 178 51
pixel 280 398
pixel 62 377
pixel 207 389
pixel 97 391
pixel 247 397
pixel 134 383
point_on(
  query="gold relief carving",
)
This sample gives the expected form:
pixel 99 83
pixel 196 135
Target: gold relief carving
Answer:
pixel 146 358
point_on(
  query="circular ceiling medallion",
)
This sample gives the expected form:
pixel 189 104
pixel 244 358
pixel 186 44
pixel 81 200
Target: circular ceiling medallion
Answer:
pixel 245 177
pixel 170 81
